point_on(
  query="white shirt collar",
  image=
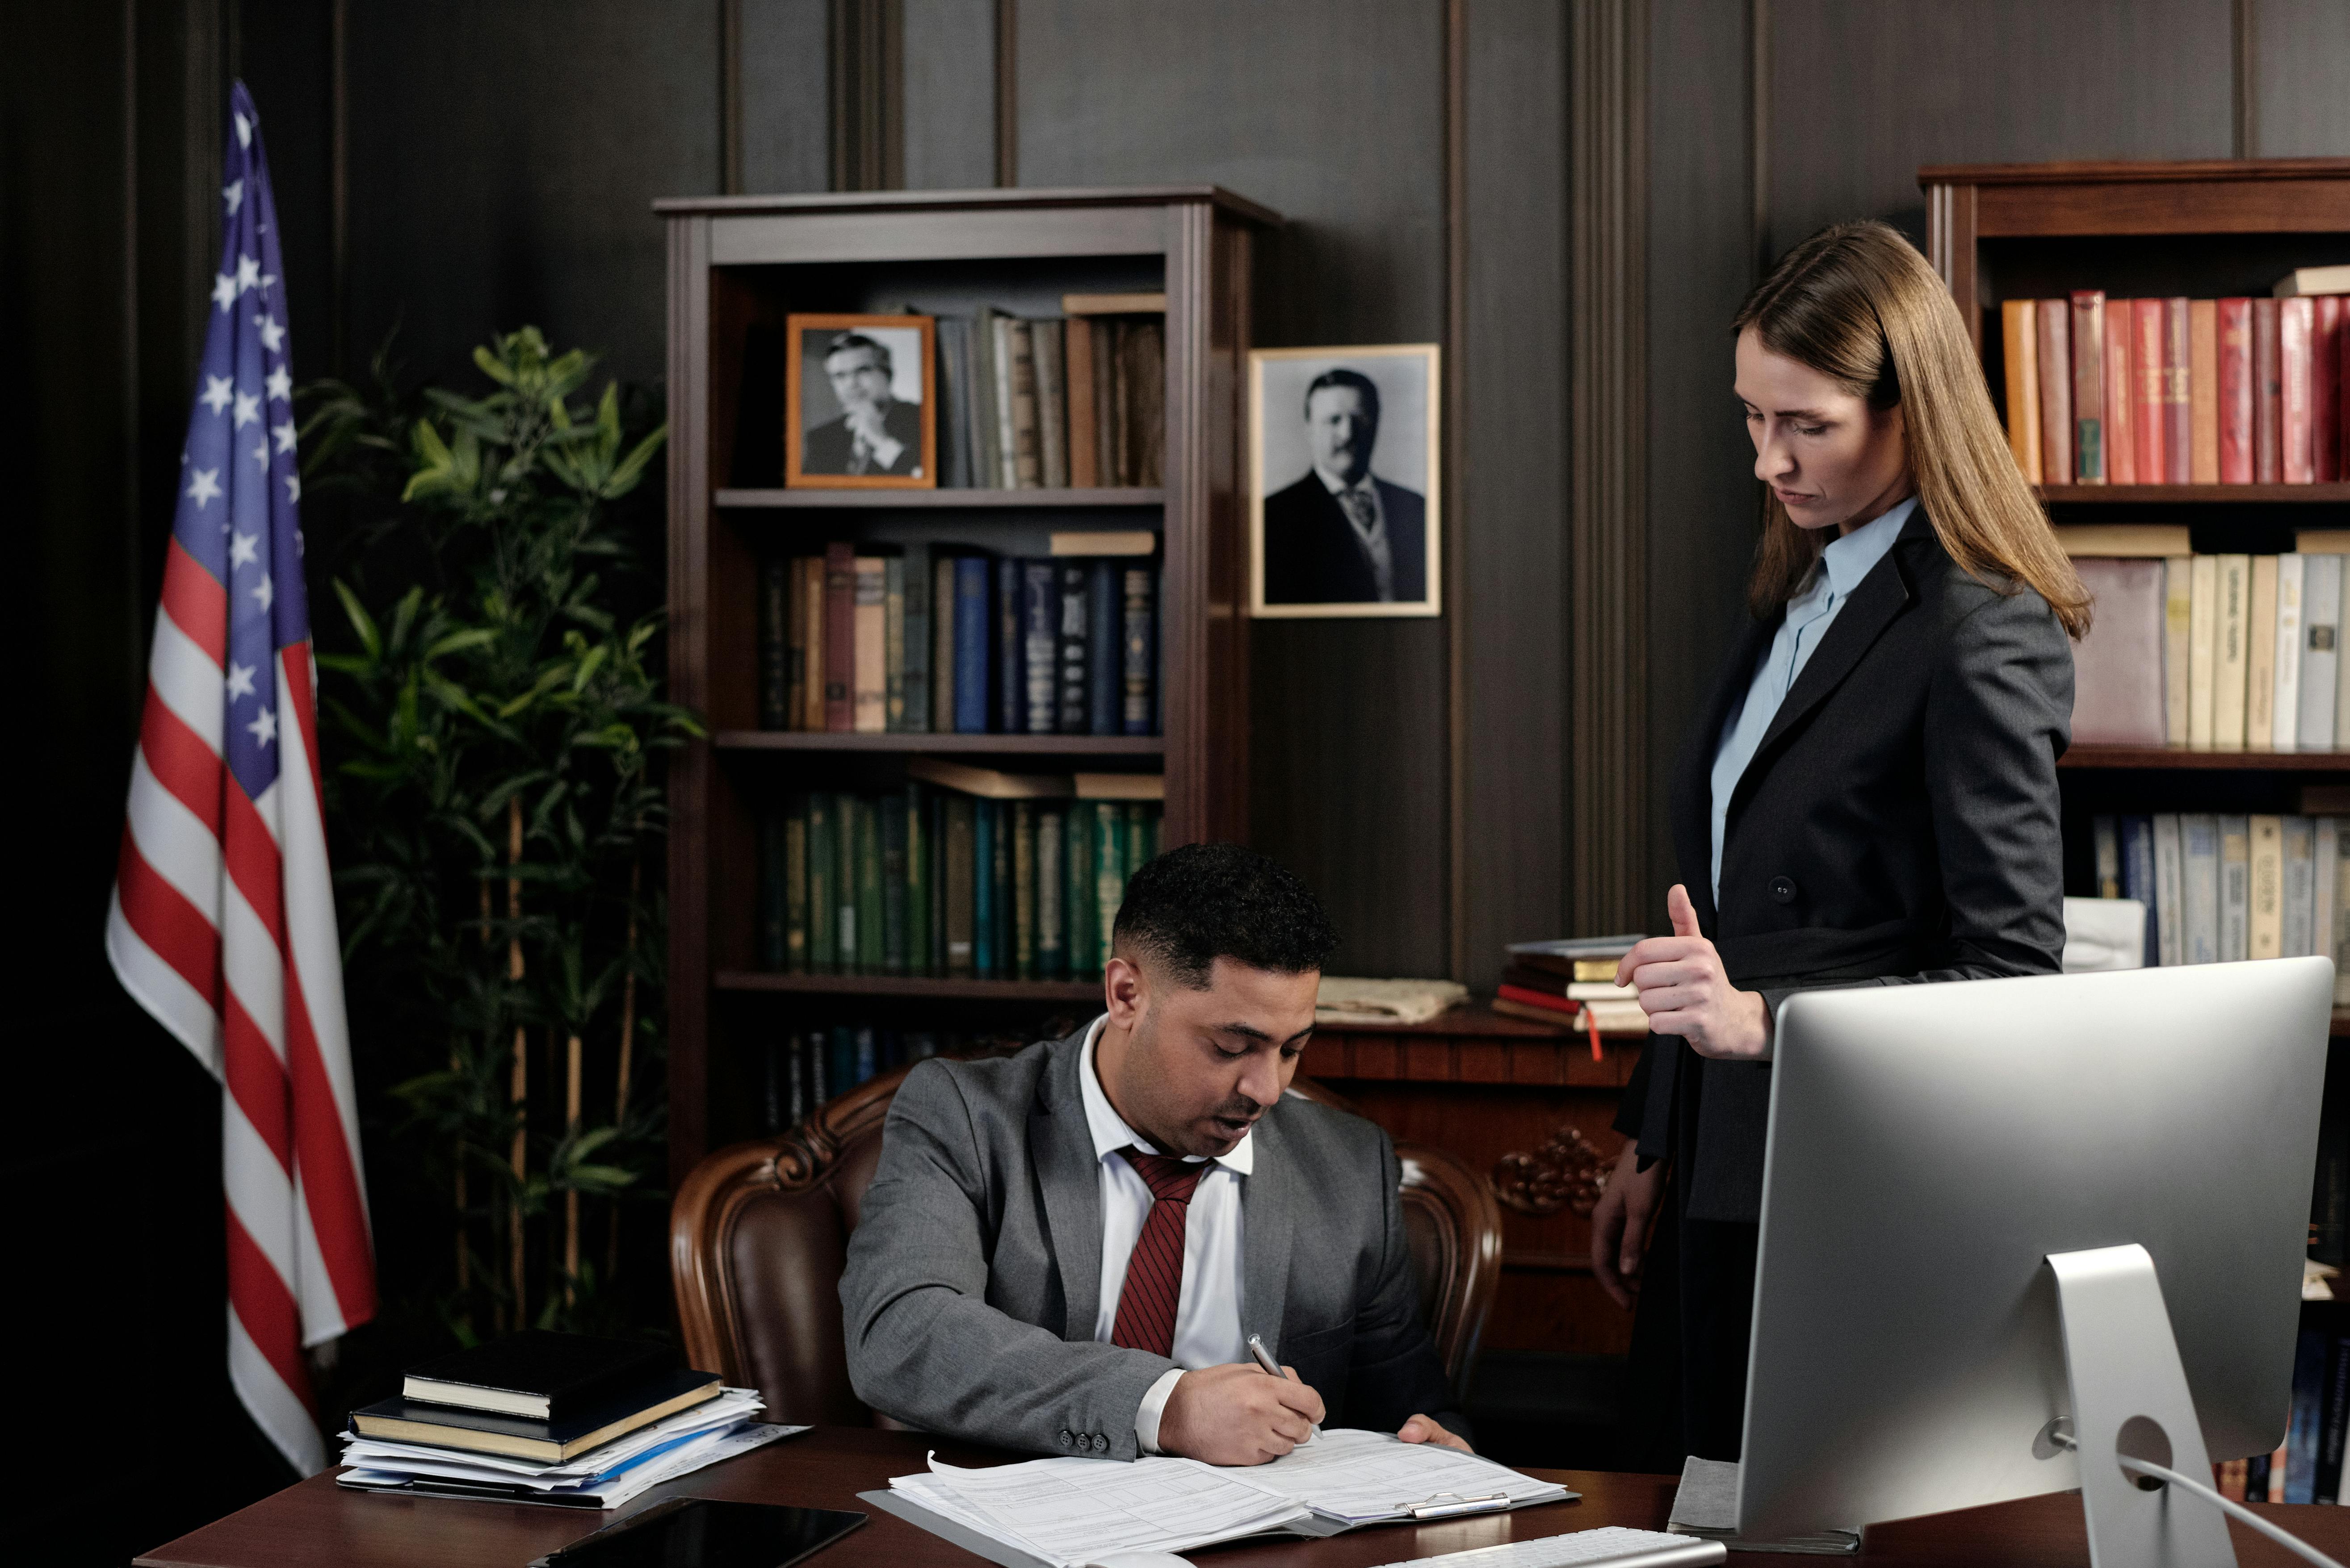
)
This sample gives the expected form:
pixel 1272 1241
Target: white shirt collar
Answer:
pixel 1849 559
pixel 1338 486
pixel 1109 1131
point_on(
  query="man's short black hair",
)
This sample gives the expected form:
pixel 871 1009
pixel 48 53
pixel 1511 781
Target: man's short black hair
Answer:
pixel 1354 379
pixel 1194 905
pixel 848 341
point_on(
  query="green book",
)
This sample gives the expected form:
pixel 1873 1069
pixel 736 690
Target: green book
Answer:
pixel 1141 834
pixel 824 947
pixel 893 641
pixel 772 913
pixel 796 888
pixel 916 813
pixel 983 888
pixel 895 935
pixel 1000 890
pixel 957 882
pixel 1077 860
pixel 1023 890
pixel 1052 894
pixel 846 809
pixel 1110 868
pixel 870 944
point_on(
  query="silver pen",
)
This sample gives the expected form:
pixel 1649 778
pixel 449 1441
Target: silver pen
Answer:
pixel 1264 1359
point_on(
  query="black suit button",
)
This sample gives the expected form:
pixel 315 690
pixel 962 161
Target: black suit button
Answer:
pixel 1784 889
pixel 1101 1443
pixel 1069 1439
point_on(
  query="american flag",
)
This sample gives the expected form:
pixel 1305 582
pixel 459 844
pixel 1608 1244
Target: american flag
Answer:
pixel 222 921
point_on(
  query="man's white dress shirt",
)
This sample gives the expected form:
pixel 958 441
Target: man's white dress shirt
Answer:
pixel 1208 1312
pixel 1372 536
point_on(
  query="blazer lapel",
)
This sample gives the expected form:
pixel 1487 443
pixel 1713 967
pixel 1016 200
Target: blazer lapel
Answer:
pixel 1268 1214
pixel 1069 1177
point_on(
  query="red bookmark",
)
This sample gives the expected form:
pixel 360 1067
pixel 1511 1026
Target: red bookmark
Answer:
pixel 1592 1024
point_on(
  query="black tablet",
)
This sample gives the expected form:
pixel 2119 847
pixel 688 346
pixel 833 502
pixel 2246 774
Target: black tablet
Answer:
pixel 696 1532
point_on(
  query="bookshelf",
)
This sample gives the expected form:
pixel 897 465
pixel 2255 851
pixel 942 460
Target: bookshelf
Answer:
pixel 736 263
pixel 2206 230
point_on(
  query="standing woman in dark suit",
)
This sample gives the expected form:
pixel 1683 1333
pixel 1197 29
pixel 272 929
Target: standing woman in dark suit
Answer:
pixel 1870 797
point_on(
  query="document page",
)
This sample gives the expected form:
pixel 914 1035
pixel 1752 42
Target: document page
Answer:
pixel 1070 1511
pixel 1355 1476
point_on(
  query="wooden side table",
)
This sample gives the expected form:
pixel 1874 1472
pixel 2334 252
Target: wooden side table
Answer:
pixel 1526 1104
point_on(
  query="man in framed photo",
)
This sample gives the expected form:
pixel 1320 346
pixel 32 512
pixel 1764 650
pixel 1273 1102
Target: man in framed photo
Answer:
pixel 875 434
pixel 1341 535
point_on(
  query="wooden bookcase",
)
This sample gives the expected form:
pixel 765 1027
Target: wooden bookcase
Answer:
pixel 736 261
pixel 2205 230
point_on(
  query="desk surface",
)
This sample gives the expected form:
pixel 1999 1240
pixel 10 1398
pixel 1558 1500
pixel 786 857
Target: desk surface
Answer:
pixel 317 1523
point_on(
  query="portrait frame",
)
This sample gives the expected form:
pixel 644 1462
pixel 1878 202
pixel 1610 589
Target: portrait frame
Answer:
pixel 1409 431
pixel 803 333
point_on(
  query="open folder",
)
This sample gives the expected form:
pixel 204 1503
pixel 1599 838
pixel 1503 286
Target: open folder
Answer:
pixel 1059 1512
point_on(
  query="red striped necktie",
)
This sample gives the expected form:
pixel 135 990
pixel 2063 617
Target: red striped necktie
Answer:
pixel 1154 1271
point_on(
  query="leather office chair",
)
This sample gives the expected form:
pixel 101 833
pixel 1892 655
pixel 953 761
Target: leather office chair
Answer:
pixel 759 1238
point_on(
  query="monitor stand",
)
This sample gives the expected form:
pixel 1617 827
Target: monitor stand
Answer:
pixel 2130 1397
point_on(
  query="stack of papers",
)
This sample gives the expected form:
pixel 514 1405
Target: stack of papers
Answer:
pixel 1707 1506
pixel 1065 1512
pixel 605 1477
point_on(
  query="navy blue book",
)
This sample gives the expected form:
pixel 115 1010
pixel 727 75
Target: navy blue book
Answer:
pixel 1011 677
pixel 973 619
pixel 1105 662
pixel 1040 624
pixel 983 888
pixel 2137 876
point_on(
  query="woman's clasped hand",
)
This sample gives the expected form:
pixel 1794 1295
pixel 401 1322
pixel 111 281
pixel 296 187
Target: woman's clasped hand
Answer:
pixel 1684 991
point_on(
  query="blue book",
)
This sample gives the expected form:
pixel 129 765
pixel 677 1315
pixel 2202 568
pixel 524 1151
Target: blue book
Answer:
pixel 983 888
pixel 1040 615
pixel 1105 660
pixel 844 1059
pixel 868 1060
pixel 1011 674
pixel 2301 1438
pixel 2137 876
pixel 972 622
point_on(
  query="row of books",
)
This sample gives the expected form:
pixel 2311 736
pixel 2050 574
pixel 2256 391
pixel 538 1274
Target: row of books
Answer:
pixel 1052 403
pixel 1571 982
pixel 2307 1467
pixel 2177 391
pixel 2219 651
pixel 948 638
pixel 546 1417
pixel 807 1068
pixel 927 881
pixel 2220 887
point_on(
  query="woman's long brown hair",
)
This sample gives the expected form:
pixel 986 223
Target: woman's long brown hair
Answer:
pixel 1860 306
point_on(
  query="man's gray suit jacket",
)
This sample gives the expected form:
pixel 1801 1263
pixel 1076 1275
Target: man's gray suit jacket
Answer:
pixel 974 1275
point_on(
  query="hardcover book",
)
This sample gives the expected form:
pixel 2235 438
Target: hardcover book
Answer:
pixel 2121 430
pixel 2146 417
pixel 2055 392
pixel 551 1442
pixel 2177 631
pixel 540 1374
pixel 2321 616
pixel 2284 730
pixel 2296 322
pixel 2203 389
pixel 2237 439
pixel 2019 342
pixel 2177 405
pixel 2268 396
pixel 2118 668
pixel 2088 386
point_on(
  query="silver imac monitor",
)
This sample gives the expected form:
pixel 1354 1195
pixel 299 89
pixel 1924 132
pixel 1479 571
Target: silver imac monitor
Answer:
pixel 1933 1146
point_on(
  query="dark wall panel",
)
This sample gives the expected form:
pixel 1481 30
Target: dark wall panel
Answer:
pixel 503 162
pixel 949 94
pixel 1702 511
pixel 1863 93
pixel 2302 92
pixel 1509 504
pixel 1331 112
pixel 786 128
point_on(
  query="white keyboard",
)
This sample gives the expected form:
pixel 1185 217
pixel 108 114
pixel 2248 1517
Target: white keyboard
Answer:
pixel 1612 1544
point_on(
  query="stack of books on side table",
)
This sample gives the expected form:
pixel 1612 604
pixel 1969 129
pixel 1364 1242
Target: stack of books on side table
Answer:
pixel 546 1417
pixel 1572 983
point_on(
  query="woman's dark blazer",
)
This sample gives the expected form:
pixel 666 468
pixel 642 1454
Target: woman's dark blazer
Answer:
pixel 1899 824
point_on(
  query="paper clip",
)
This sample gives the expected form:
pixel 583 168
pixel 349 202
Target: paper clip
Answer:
pixel 1439 1507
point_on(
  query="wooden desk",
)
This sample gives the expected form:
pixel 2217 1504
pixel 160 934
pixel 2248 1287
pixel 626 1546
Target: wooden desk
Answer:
pixel 317 1523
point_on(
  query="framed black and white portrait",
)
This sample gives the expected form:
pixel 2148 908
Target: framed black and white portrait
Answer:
pixel 859 412
pixel 1344 491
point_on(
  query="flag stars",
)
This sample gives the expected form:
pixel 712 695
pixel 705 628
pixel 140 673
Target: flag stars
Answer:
pixel 264 728
pixel 224 291
pixel 204 486
pixel 263 594
pixel 243 550
pixel 285 434
pixel 233 195
pixel 240 680
pixel 293 494
pixel 218 390
pixel 261 454
pixel 248 274
pixel 280 385
pixel 248 409
pixel 273 336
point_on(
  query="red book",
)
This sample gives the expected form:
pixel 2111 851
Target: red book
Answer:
pixel 2121 438
pixel 2325 388
pixel 2268 396
pixel 2235 391
pixel 2089 385
pixel 2146 412
pixel 2343 338
pixel 839 636
pixel 2295 320
pixel 1541 999
pixel 2177 405
pixel 2055 392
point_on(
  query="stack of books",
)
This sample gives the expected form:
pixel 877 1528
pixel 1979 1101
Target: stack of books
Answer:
pixel 947 639
pixel 1572 983
pixel 2220 887
pixel 559 1419
pixel 965 872
pixel 2180 391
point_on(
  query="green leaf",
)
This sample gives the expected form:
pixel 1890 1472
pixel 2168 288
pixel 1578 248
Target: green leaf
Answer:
pixel 631 469
pixel 493 368
pixel 362 622
pixel 457 641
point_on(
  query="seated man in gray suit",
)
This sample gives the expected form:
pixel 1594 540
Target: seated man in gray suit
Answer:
pixel 1068 1250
